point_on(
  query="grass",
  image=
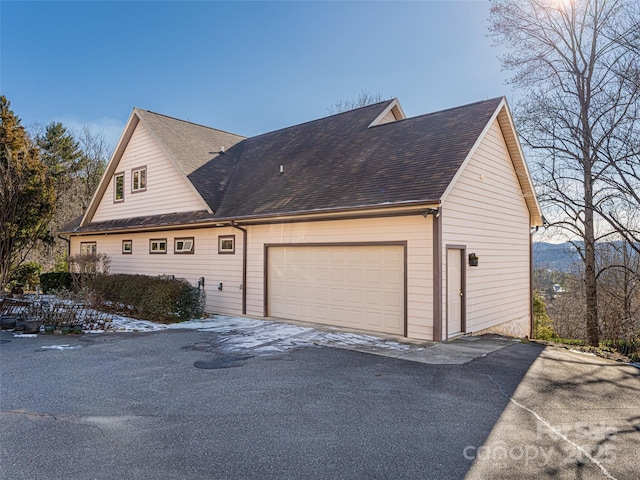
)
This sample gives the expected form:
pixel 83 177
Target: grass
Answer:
pixel 626 350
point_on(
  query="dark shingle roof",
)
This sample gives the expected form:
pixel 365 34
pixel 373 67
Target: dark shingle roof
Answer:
pixel 334 163
pixel 141 223
pixel 339 162
pixel 195 149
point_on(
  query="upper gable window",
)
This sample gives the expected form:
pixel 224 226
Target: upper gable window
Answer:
pixel 138 179
pixel 118 187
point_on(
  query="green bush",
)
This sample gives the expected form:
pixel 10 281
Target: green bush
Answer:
pixel 629 347
pixel 159 299
pixel 542 324
pixel 26 275
pixel 55 281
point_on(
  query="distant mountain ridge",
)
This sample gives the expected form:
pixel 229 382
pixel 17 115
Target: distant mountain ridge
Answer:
pixel 563 256
pixel 555 256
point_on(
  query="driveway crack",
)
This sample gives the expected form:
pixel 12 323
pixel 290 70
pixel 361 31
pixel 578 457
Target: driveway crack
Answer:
pixel 36 415
pixel 561 435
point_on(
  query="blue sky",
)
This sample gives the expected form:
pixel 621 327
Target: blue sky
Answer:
pixel 244 67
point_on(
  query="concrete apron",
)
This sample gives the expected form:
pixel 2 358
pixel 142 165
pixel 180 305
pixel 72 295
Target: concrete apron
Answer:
pixel 455 352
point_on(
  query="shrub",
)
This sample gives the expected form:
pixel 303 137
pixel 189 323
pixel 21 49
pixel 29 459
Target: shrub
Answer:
pixel 86 266
pixel 61 263
pixel 629 347
pixel 26 275
pixel 55 281
pixel 159 299
pixel 542 324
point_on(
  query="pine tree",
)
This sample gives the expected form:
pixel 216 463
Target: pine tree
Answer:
pixel 27 195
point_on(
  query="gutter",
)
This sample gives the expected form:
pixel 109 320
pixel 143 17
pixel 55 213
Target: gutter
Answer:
pixel 244 265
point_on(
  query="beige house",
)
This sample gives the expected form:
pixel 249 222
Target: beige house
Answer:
pixel 418 227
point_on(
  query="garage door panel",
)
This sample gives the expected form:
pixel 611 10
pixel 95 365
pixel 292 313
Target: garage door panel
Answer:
pixel 319 273
pixel 351 286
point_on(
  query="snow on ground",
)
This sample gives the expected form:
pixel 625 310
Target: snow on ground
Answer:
pixel 59 347
pixel 264 336
pixel 242 334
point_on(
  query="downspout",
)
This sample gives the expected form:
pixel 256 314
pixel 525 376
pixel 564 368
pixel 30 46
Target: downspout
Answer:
pixel 531 309
pixel 244 266
pixel 437 274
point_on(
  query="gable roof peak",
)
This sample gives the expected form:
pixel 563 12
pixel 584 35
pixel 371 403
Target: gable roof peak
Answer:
pixel 143 111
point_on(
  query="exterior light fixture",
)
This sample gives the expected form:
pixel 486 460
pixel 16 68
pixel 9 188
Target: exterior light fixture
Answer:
pixel 473 260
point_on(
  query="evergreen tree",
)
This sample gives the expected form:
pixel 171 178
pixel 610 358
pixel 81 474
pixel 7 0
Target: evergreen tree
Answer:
pixel 27 194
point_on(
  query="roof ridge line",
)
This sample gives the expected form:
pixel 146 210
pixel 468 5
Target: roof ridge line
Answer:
pixel 455 108
pixel 189 122
pixel 323 118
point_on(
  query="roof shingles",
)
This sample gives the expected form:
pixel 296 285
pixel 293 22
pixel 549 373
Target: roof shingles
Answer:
pixel 332 163
pixel 338 162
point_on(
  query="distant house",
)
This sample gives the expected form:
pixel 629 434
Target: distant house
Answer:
pixel 418 227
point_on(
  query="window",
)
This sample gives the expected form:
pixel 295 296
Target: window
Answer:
pixel 158 245
pixel 127 246
pixel 118 187
pixel 138 179
pixel 88 248
pixel 227 244
pixel 183 245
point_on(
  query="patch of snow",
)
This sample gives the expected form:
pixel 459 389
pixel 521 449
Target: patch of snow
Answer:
pixel 126 324
pixel 25 335
pixel 241 333
pixel 59 347
pixel 583 353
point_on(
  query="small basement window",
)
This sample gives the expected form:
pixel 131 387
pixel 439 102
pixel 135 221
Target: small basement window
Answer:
pixel 127 246
pixel 227 244
pixel 183 245
pixel 118 187
pixel 158 245
pixel 88 248
pixel 138 179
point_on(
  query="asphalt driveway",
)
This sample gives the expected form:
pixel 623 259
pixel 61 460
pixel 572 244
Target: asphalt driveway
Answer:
pixel 174 404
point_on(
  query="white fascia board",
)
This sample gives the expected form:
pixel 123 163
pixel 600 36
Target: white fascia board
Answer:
pixel 123 141
pixel 394 104
pixel 161 144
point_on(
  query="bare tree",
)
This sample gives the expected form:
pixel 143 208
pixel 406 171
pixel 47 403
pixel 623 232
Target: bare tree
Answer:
pixel 95 154
pixel 577 63
pixel 365 98
pixel 618 290
pixel 76 159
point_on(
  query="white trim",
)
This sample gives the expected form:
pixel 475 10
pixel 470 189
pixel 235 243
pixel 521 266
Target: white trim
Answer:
pixel 394 104
pixel 162 146
pixel 123 141
pixel 187 244
pixel 535 216
pixel 158 241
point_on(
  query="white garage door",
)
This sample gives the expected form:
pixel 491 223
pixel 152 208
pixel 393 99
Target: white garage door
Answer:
pixel 350 286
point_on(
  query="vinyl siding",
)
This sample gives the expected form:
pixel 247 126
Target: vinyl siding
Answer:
pixel 225 268
pixel 167 190
pixel 485 211
pixel 204 262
